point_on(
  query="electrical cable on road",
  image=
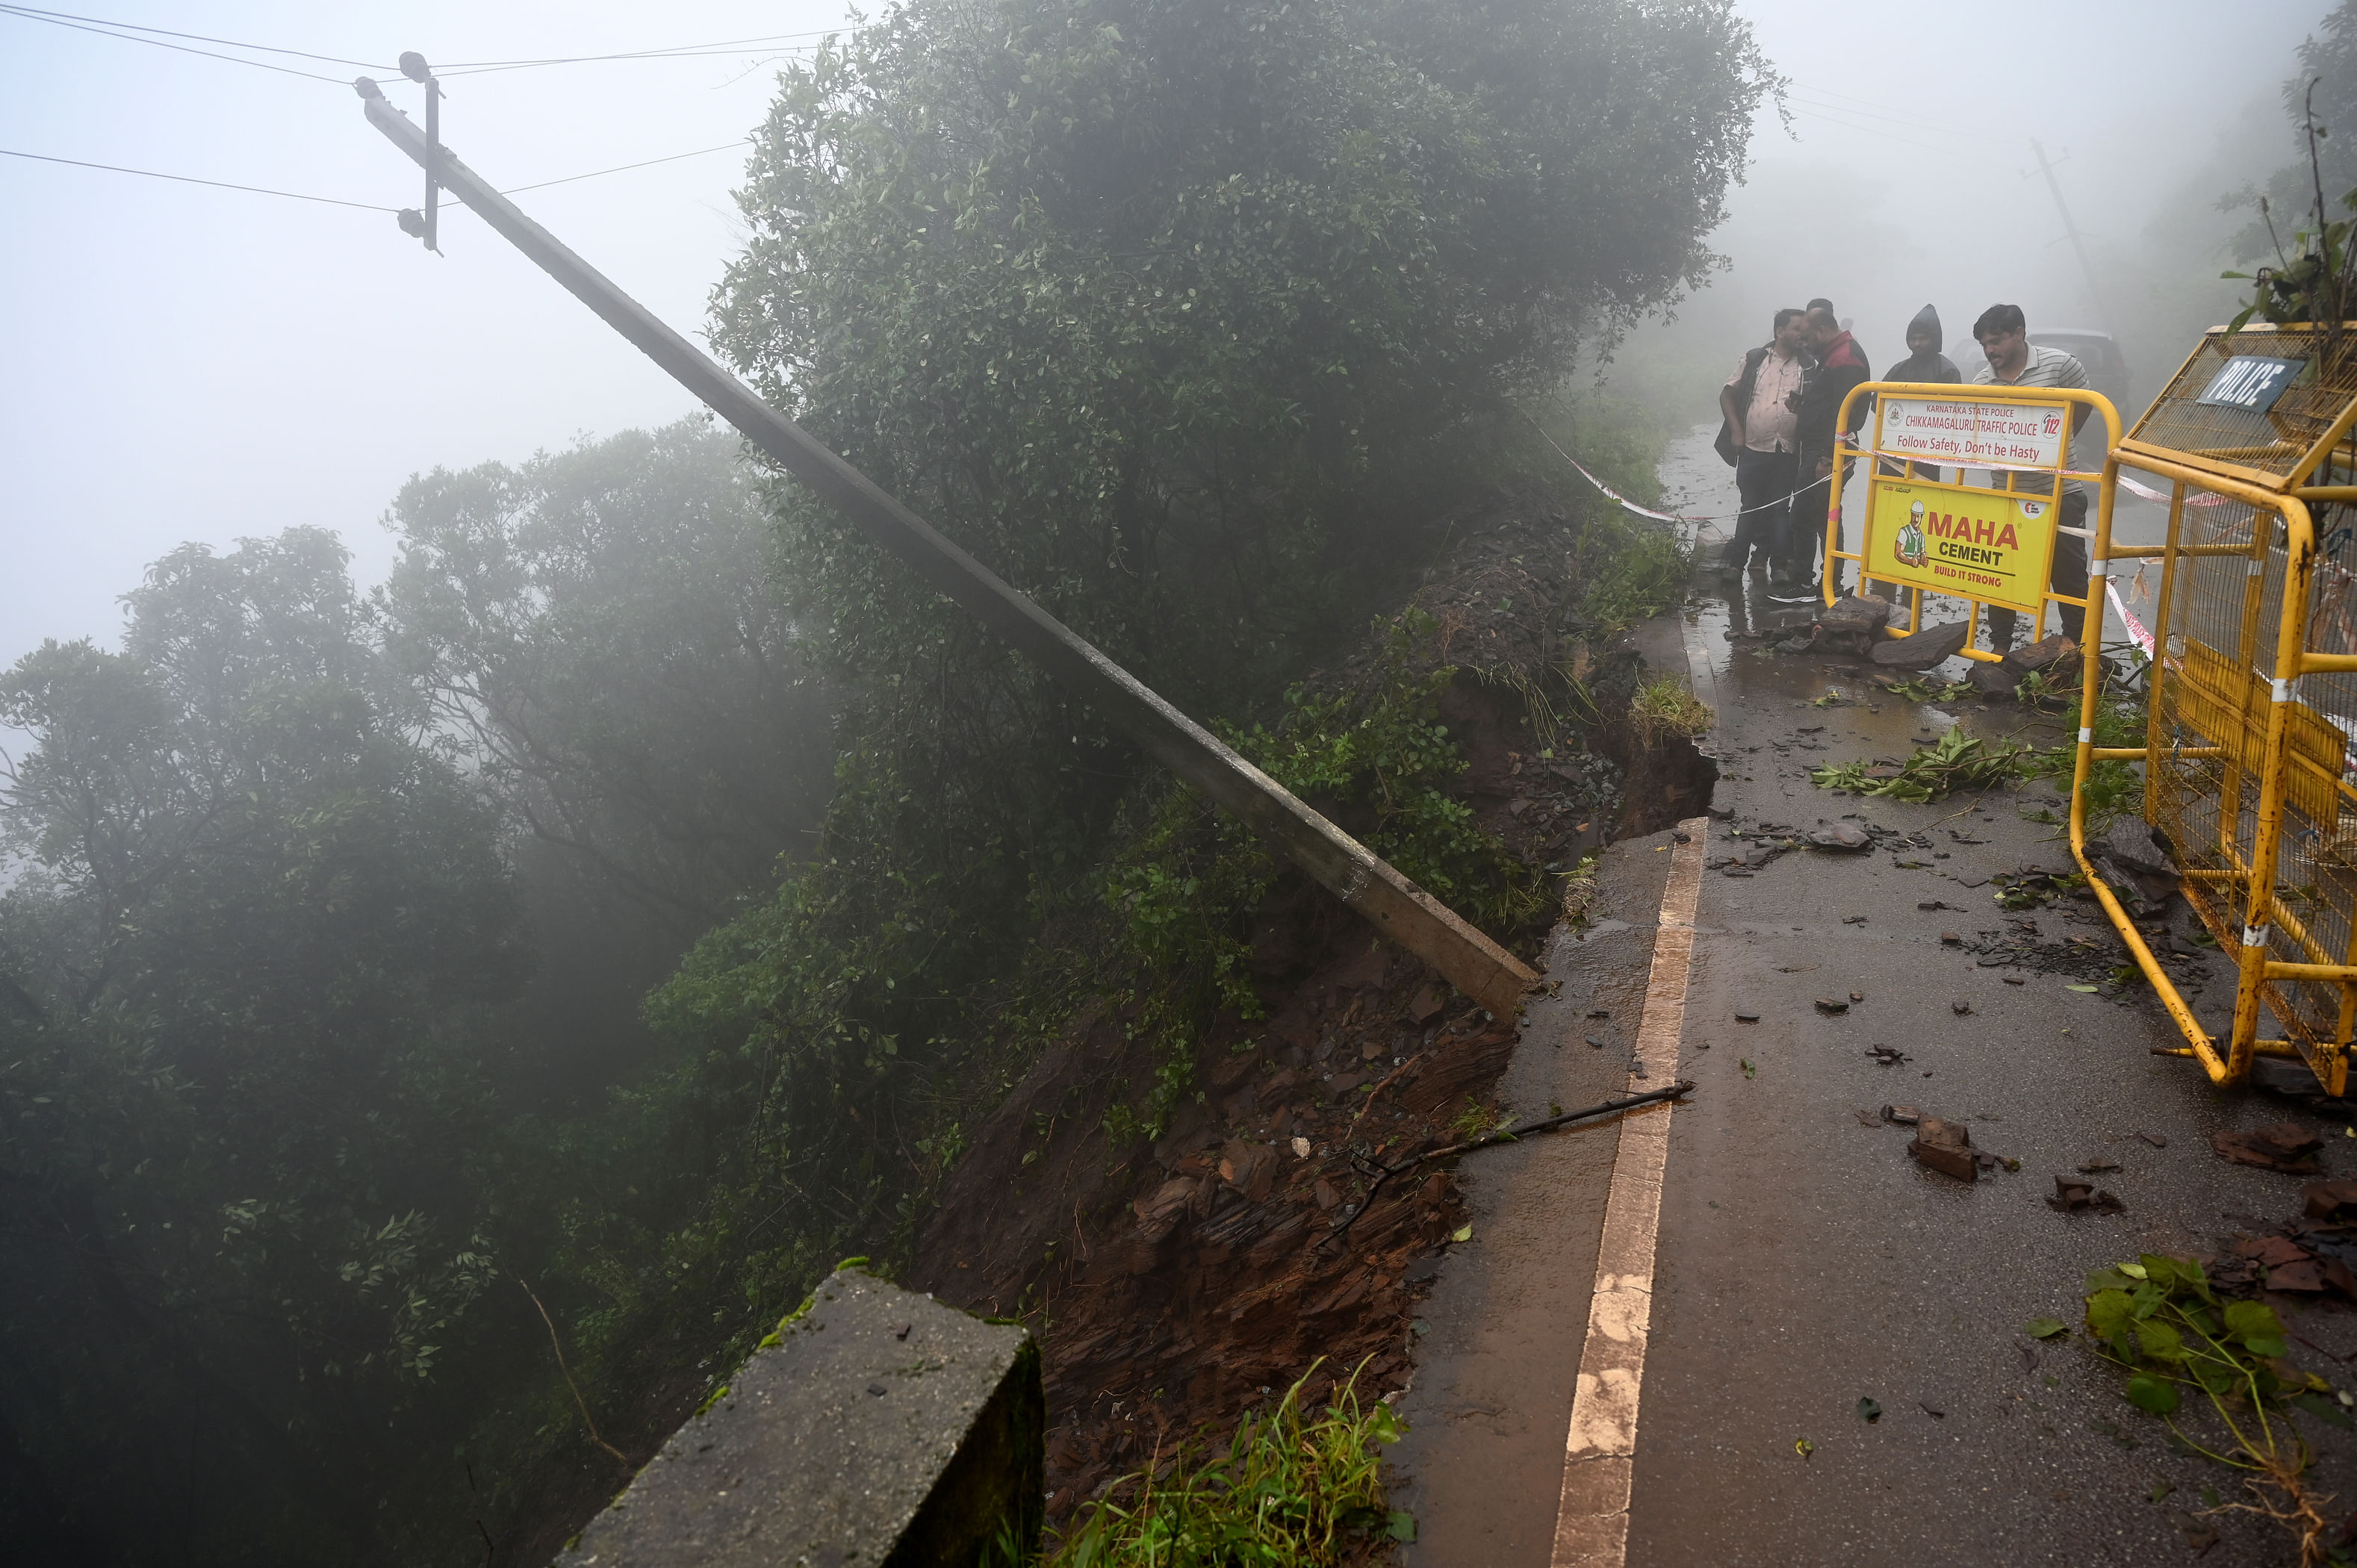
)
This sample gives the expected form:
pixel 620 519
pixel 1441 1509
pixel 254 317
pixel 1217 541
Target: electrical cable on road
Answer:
pixel 191 179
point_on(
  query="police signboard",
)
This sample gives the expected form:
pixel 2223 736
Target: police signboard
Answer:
pixel 1974 435
pixel 2251 383
pixel 1993 545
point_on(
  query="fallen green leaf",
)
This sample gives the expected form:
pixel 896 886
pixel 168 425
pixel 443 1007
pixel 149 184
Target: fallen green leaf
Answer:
pixel 1872 1411
pixel 1463 1233
pixel 2089 989
pixel 1403 1526
pixel 1748 1071
pixel 1803 1447
pixel 2046 1328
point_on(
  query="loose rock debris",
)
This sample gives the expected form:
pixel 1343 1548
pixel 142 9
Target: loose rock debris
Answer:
pixel 1946 1146
pixel 2280 1146
pixel 2071 1195
pixel 1888 1056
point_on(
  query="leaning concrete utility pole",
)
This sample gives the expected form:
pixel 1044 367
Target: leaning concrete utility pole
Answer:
pixel 1397 906
pixel 2054 188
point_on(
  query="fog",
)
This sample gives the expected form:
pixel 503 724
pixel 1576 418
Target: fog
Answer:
pixel 1908 176
pixel 192 363
pixel 625 886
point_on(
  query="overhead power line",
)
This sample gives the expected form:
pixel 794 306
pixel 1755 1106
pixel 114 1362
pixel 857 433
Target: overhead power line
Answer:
pixel 617 168
pixel 191 179
pixel 36 12
pixel 1866 130
pixel 1881 110
pixel 676 51
pixel 338 201
pixel 160 37
pixel 23 15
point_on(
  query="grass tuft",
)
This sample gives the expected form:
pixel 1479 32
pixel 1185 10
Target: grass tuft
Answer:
pixel 1666 706
pixel 1292 1491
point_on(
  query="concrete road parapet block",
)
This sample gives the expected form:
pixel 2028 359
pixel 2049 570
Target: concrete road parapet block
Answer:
pixel 880 1428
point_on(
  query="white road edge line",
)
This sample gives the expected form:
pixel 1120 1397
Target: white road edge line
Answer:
pixel 1591 1526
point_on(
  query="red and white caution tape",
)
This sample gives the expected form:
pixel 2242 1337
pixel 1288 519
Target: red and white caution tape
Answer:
pixel 2138 631
pixel 2198 498
pixel 1628 505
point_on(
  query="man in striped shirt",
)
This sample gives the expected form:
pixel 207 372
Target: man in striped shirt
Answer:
pixel 2015 361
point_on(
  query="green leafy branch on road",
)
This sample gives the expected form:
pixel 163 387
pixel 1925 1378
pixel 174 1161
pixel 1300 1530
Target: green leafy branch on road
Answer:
pixel 1959 761
pixel 2158 1319
pixel 1956 761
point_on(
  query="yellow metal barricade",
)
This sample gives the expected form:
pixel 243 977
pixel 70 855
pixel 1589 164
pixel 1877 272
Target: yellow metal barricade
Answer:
pixel 1923 534
pixel 2253 699
pixel 2253 686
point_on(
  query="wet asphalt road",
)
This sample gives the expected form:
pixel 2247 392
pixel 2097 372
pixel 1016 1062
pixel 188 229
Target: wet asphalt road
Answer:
pixel 1804 1261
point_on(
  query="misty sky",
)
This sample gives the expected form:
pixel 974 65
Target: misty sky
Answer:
pixel 188 363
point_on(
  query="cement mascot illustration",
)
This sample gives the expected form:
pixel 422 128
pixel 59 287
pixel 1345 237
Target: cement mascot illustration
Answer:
pixel 1911 547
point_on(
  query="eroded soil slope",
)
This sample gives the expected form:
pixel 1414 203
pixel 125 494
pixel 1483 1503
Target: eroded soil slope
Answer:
pixel 1175 1283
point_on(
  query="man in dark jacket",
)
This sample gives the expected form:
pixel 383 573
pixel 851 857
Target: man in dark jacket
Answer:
pixel 1841 367
pixel 1924 362
pixel 1756 437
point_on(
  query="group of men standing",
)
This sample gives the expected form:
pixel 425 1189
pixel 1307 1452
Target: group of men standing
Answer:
pixel 1781 407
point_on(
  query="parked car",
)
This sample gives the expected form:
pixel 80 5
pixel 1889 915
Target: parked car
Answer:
pixel 2106 372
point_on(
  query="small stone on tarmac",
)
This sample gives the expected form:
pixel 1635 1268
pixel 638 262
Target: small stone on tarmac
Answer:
pixel 2155 1139
pixel 1858 995
pixel 1743 1015
pixel 1960 1008
pixel 1946 1147
pixel 2015 979
pixel 1933 1411
pixel 1829 1006
pixel 2282 1146
pixel 1952 939
pixel 1900 1115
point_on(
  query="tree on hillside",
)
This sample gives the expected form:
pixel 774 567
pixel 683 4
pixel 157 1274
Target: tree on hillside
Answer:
pixel 1190 319
pixel 1165 309
pixel 2325 86
pixel 598 631
pixel 252 917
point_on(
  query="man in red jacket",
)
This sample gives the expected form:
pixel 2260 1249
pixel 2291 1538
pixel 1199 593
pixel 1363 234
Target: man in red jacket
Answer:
pixel 1840 366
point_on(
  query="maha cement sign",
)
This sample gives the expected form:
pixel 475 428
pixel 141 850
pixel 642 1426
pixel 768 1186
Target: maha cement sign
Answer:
pixel 1976 434
pixel 1960 539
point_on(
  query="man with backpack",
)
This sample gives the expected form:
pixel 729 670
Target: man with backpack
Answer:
pixel 1756 439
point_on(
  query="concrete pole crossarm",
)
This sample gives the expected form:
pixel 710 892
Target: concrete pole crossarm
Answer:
pixel 1402 911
